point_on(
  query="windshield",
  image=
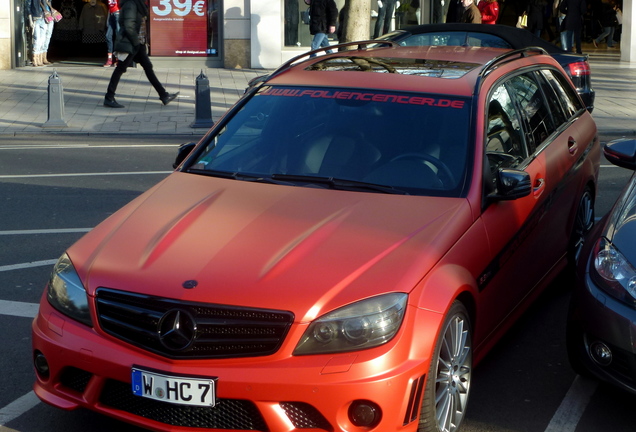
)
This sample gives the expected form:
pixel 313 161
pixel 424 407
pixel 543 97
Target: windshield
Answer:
pixel 366 140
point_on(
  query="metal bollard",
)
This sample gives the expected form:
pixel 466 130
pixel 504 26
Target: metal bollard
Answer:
pixel 56 103
pixel 203 107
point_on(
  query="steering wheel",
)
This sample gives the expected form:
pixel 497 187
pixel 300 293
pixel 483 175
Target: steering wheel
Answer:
pixel 444 173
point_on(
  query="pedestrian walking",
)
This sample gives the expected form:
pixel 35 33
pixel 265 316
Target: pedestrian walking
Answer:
pixel 608 22
pixel 130 46
pixel 323 16
pixel 574 11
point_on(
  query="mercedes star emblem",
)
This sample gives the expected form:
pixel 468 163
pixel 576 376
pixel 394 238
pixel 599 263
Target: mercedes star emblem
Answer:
pixel 177 329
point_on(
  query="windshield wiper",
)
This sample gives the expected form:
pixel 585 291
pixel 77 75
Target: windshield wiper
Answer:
pixel 238 176
pixel 339 184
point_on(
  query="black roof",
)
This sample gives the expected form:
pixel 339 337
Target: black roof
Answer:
pixel 517 38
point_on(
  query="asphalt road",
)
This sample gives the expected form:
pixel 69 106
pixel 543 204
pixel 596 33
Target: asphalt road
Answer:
pixel 54 190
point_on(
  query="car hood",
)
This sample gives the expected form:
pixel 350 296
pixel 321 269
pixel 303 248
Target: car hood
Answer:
pixel 307 250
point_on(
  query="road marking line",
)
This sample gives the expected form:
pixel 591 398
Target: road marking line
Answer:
pixel 573 405
pixel 46 231
pixel 84 146
pixel 18 176
pixel 27 265
pixel 18 309
pixel 18 407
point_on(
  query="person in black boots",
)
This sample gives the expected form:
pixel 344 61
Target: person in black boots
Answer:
pixel 130 47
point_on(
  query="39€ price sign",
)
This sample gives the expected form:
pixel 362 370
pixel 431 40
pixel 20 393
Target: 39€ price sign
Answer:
pixel 178 27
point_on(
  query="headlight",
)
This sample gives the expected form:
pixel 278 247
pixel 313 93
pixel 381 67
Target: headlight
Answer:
pixel 613 273
pixel 66 292
pixel 361 325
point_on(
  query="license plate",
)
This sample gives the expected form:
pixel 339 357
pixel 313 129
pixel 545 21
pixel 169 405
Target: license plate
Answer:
pixel 177 390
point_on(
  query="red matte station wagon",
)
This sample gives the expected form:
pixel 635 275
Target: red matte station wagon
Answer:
pixel 336 254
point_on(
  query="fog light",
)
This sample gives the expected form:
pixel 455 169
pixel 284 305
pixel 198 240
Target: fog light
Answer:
pixel 41 365
pixel 601 353
pixel 364 413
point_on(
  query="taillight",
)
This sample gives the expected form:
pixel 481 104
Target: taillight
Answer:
pixel 579 68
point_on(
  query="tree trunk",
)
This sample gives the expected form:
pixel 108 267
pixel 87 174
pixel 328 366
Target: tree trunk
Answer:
pixel 356 16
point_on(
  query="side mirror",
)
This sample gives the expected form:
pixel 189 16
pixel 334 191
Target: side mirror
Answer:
pixel 511 184
pixel 621 152
pixel 183 152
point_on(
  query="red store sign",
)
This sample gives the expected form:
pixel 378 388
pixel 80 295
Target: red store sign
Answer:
pixel 178 27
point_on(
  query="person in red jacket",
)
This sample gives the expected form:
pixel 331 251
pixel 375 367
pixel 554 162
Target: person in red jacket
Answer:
pixel 111 30
pixel 489 11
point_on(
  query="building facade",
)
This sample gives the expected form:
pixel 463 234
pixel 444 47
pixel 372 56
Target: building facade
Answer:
pixel 218 33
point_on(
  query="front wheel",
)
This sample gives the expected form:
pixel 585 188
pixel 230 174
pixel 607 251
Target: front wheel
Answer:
pixel 448 380
pixel 583 223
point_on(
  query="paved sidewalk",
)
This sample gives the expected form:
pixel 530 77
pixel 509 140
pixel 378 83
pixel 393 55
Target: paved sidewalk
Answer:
pixel 24 98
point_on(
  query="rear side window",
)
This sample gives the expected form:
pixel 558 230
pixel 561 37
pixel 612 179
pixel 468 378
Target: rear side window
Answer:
pixel 568 99
pixel 534 110
pixel 553 100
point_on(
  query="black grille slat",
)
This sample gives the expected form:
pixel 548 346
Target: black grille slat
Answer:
pixel 140 313
pixel 233 414
pixel 75 379
pixel 222 331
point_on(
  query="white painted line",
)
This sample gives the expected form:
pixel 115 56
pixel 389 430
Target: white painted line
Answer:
pixel 18 407
pixel 84 146
pixel 18 309
pixel 27 265
pixel 18 176
pixel 572 407
pixel 46 231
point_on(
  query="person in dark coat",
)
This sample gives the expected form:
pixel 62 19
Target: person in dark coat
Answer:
pixel 323 16
pixel 574 11
pixel 536 9
pixel 455 11
pixel 130 47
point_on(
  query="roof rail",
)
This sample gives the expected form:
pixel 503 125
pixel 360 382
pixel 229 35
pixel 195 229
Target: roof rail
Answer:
pixel 361 45
pixel 507 56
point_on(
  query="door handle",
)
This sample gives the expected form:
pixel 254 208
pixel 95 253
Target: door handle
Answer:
pixel 572 145
pixel 538 187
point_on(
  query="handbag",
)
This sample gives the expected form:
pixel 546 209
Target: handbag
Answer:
pixel 522 21
pixel 57 16
pixel 304 16
pixel 52 15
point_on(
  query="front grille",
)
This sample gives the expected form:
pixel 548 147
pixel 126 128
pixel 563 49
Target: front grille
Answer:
pixel 304 416
pixel 234 414
pixel 221 331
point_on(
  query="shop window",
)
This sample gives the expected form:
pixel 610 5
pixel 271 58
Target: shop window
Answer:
pixel 296 23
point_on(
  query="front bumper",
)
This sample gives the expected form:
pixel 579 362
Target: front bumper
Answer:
pixel 603 319
pixel 274 393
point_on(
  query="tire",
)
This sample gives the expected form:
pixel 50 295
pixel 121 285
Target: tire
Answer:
pixel 583 223
pixel 449 377
pixel 575 344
